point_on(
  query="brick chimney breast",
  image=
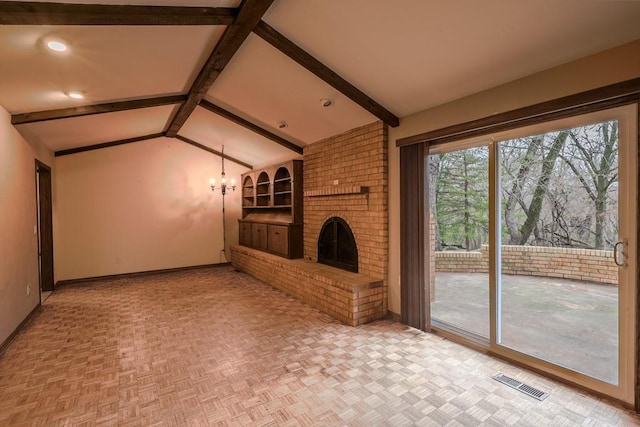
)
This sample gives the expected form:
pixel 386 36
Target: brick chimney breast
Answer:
pixel 346 176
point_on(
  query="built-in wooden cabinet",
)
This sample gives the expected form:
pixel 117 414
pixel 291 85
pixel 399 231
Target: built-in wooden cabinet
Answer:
pixel 272 209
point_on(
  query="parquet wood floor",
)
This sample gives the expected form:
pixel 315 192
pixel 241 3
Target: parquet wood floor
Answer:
pixel 217 347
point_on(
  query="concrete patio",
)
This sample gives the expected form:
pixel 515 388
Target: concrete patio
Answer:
pixel 568 322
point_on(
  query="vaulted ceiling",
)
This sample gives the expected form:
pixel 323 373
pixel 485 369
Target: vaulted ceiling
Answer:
pixel 251 75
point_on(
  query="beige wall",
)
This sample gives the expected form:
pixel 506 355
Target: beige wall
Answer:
pixel 612 66
pixel 18 216
pixel 140 207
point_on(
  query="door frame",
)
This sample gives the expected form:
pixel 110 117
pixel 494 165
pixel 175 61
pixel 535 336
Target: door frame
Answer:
pixel 44 212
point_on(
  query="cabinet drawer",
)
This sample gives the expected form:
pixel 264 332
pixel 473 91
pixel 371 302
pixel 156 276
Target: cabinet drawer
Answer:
pixel 279 239
pixel 259 236
pixel 244 237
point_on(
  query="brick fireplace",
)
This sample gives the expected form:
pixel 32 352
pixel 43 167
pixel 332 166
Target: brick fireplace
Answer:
pixel 345 178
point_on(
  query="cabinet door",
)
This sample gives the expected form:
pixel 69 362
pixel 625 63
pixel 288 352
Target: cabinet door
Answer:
pixel 245 233
pixel 259 236
pixel 279 239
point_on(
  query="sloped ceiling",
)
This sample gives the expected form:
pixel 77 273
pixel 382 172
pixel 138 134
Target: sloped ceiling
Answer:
pixel 261 98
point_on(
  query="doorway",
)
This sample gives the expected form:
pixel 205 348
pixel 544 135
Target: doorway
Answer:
pixel 534 246
pixel 45 229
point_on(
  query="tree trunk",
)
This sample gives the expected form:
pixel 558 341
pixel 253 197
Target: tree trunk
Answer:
pixel 607 164
pixel 516 190
pixel 434 171
pixel 467 226
pixel 601 208
pixel 533 213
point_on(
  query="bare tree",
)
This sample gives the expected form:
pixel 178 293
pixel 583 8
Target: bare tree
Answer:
pixel 558 189
pixel 593 158
pixel 515 196
pixel 534 150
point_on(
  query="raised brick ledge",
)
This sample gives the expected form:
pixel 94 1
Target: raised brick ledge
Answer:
pixel 352 298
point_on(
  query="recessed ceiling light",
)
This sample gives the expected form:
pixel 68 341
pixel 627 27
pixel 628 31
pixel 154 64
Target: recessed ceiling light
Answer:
pixel 75 95
pixel 282 125
pixel 56 45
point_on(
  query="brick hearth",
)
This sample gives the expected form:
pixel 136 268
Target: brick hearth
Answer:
pixel 351 298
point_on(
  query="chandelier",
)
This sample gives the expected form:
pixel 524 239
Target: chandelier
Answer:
pixel 223 181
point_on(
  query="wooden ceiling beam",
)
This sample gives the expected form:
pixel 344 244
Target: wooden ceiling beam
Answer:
pixel 212 151
pixel 249 14
pixel 40 13
pixel 107 144
pixel 293 51
pixel 86 110
pixel 248 125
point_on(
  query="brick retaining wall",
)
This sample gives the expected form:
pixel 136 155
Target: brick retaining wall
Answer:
pixel 568 263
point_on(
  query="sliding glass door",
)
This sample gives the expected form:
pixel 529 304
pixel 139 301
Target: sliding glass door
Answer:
pixel 560 221
pixel 533 247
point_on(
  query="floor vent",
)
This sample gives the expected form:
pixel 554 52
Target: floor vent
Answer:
pixel 526 389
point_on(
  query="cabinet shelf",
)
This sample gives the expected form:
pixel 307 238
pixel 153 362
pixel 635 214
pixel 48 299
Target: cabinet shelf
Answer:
pixel 248 192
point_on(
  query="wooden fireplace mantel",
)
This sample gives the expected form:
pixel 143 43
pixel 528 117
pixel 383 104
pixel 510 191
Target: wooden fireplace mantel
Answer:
pixel 336 190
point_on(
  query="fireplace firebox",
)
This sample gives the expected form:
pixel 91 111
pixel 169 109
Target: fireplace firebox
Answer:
pixel 337 246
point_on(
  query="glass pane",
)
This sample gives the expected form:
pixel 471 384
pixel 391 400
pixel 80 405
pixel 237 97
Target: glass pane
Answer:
pixel 459 232
pixel 559 224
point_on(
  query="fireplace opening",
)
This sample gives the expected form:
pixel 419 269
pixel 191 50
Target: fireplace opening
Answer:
pixel 337 246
